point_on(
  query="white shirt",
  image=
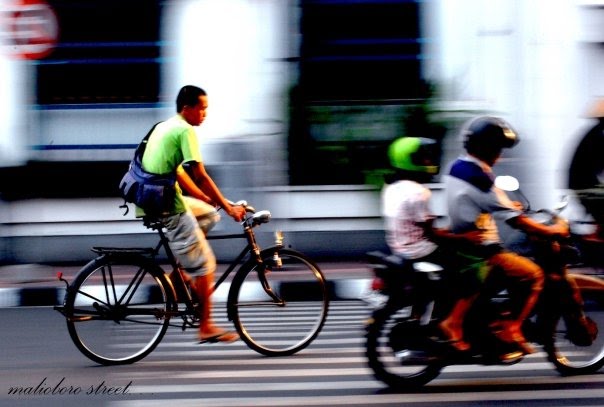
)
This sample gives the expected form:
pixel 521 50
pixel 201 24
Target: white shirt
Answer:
pixel 404 205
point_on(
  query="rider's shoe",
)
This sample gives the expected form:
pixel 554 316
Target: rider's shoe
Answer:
pixel 219 336
pixel 511 357
pixel 525 347
pixel 460 345
pixel 451 338
pixel 505 332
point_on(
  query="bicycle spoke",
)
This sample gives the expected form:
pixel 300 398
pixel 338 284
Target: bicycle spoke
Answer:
pixel 132 288
pixel 103 316
pixel 85 294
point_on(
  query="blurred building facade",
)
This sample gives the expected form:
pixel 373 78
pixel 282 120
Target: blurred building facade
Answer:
pixel 305 96
pixel 536 63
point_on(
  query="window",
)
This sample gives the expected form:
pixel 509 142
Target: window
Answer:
pixel 360 84
pixel 108 52
pixel 360 49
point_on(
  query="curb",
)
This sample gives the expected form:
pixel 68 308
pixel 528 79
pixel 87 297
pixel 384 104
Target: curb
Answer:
pixel 340 289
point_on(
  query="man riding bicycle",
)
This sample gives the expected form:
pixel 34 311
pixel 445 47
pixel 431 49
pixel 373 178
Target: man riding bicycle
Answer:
pixel 171 144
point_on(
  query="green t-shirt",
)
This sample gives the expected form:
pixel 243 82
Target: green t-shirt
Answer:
pixel 172 143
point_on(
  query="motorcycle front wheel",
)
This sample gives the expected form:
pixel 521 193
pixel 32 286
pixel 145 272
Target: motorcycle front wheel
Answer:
pixel 392 353
pixel 570 357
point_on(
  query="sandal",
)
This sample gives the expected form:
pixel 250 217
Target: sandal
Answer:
pixel 503 331
pixel 226 337
pixel 511 357
pixel 457 344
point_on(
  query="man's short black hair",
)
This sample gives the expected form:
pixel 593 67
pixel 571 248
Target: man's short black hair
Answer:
pixel 188 96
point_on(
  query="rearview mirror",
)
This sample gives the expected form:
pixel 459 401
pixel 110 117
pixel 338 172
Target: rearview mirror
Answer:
pixel 507 183
pixel 562 204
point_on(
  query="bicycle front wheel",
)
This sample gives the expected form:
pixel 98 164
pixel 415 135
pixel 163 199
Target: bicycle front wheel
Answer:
pixel 118 309
pixel 280 306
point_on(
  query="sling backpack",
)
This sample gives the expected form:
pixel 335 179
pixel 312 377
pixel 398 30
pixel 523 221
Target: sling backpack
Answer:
pixel 154 193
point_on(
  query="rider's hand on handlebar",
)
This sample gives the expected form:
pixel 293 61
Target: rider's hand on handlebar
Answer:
pixel 560 228
pixel 237 212
pixel 517 205
pixel 474 236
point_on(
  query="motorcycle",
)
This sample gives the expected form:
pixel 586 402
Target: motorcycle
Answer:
pixel 403 347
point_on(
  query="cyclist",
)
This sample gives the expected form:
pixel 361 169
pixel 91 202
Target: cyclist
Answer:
pixel 586 170
pixel 473 204
pixel 172 144
pixel 409 220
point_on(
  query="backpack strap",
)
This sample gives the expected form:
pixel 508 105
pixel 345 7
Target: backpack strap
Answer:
pixel 140 150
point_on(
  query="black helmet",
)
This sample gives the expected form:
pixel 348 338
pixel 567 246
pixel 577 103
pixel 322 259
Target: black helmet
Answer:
pixel 485 137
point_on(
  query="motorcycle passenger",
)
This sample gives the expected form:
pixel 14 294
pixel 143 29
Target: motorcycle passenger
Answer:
pixel 407 215
pixel 473 204
pixel 586 170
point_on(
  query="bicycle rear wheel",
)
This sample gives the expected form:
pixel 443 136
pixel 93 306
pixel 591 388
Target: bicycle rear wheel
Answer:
pixel 288 322
pixel 115 321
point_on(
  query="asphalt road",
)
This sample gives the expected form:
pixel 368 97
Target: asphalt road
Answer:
pixel 40 366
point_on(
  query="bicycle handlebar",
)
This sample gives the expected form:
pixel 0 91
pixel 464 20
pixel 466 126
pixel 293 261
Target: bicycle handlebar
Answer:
pixel 258 218
pixel 248 208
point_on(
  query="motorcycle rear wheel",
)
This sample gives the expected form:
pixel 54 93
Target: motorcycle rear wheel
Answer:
pixel 571 359
pixel 391 356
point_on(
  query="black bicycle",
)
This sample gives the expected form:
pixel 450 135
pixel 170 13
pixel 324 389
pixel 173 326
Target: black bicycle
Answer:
pixel 278 298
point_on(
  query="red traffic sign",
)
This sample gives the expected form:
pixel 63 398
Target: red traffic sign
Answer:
pixel 28 28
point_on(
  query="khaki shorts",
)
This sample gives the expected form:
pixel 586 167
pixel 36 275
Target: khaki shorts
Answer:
pixel 186 237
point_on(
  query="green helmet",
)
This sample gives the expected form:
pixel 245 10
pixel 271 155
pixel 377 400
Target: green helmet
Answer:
pixel 413 154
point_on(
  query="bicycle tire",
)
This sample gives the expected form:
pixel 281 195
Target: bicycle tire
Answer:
pixel 112 322
pixel 264 325
pixel 570 359
pixel 390 352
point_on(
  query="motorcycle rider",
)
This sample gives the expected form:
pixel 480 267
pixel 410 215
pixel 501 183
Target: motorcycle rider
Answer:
pixel 473 204
pixel 586 170
pixel 409 221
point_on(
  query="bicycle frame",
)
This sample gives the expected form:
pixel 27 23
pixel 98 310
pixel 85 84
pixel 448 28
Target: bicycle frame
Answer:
pixel 123 287
pixel 190 310
pixel 251 247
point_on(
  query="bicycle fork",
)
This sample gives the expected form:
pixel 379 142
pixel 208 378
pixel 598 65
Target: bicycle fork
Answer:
pixel 262 270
